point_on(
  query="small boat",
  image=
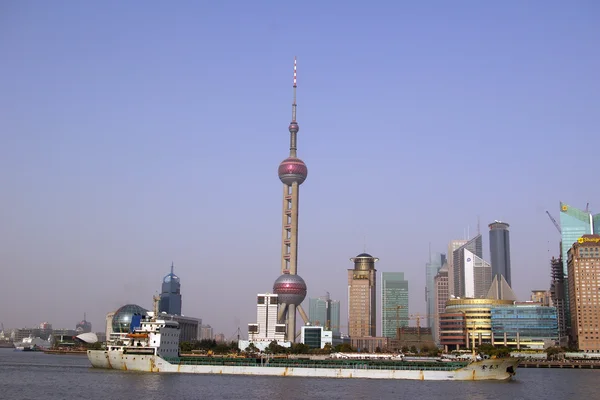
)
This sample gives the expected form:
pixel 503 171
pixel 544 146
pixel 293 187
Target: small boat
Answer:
pixel 32 344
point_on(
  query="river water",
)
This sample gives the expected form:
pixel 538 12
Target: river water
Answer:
pixel 36 376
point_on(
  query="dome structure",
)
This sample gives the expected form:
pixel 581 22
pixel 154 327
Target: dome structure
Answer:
pixel 171 278
pixel 291 170
pixel 364 262
pixel 291 289
pixel 122 318
pixel 364 255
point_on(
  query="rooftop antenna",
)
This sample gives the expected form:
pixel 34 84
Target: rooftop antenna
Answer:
pixel 171 267
pixel 478 226
pixel 429 252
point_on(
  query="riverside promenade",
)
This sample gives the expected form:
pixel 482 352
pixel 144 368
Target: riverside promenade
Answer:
pixel 559 364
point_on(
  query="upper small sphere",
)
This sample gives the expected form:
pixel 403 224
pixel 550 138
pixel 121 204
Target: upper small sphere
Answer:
pixel 292 170
pixel 291 289
pixel 294 127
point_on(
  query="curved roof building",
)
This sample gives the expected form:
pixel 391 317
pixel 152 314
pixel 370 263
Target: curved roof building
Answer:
pixel 88 337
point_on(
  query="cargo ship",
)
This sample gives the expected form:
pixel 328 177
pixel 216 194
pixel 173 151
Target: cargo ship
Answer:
pixel 152 345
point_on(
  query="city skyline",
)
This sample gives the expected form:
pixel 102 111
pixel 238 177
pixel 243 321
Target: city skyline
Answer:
pixel 145 136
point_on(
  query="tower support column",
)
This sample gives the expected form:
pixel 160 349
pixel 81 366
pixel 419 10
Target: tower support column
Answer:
pixel 291 322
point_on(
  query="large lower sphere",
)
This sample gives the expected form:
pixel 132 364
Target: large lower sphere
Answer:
pixel 291 289
pixel 292 170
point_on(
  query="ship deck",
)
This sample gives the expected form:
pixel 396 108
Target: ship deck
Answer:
pixel 333 364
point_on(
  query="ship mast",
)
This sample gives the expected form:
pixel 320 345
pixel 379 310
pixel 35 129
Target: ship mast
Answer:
pixel 155 299
pixel 473 343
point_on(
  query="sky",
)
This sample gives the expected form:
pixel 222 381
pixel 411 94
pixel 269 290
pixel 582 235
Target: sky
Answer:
pixel 137 134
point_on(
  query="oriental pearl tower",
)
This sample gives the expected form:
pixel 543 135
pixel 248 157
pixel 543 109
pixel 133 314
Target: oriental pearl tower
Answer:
pixel 290 287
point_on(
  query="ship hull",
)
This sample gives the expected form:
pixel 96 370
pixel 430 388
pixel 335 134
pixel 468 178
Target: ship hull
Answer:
pixel 496 369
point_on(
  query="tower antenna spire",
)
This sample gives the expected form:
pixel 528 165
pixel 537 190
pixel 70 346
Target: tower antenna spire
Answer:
pixel 294 101
pixel 293 125
pixel 172 267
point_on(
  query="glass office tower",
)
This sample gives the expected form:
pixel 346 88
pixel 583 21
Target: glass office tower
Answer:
pixel 394 303
pixel 500 250
pixel 322 311
pixel 436 260
pixel 170 296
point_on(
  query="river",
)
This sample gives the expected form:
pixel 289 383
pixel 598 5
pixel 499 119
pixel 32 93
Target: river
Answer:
pixel 39 376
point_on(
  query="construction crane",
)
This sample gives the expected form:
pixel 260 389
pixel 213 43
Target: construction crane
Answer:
pixel 556 223
pixel 418 318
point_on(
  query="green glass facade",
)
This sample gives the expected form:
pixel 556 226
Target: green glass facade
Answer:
pixel 312 337
pixel 575 223
pixel 394 302
pixel 325 312
pixel 531 322
pixel 436 260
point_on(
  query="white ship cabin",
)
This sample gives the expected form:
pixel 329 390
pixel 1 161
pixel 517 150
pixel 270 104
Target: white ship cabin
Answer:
pixel 151 336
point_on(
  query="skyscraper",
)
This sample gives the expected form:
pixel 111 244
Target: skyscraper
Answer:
pixel 362 301
pixel 436 260
pixel 500 250
pixel 574 223
pixel 290 287
pixel 452 247
pixel 557 293
pixel 323 311
pixel 475 246
pixel 584 280
pixel 442 294
pixel 394 303
pixel 477 276
pixel 266 327
pixel 170 296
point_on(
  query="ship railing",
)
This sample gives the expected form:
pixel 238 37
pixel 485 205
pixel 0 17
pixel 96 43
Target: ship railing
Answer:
pixel 412 366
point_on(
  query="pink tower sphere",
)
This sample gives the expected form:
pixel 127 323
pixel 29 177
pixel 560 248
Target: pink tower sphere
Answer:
pixel 292 170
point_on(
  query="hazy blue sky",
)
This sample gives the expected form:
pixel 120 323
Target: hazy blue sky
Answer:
pixel 133 134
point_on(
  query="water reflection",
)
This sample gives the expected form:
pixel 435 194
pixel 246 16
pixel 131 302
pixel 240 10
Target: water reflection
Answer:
pixel 41 376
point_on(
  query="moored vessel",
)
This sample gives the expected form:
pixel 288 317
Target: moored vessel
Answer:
pixel 152 345
pixel 32 344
